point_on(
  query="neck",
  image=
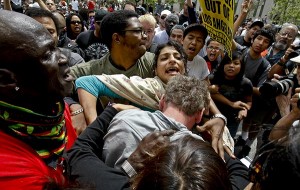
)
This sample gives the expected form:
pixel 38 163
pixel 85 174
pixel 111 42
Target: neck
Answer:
pixel 96 33
pixel 122 60
pixel 179 116
pixel 253 54
pixel 275 50
pixel 247 39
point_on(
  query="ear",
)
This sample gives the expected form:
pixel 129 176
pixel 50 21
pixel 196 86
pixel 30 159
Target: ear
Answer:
pixel 116 38
pixel 199 115
pixel 155 71
pixel 162 103
pixel 7 79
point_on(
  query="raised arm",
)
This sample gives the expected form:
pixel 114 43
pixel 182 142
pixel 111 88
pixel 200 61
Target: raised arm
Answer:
pixel 42 4
pixel 246 5
pixel 7 5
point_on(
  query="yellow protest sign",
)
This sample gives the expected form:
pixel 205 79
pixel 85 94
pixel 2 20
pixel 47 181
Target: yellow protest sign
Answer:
pixel 217 16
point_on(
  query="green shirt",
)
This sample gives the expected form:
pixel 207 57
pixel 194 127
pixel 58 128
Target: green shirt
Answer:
pixel 142 68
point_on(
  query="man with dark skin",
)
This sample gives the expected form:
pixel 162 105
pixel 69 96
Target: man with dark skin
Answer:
pixel 32 88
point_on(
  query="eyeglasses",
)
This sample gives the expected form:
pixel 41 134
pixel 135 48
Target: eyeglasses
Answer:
pixel 285 34
pixel 140 31
pixel 75 22
pixel 213 48
pixel 50 4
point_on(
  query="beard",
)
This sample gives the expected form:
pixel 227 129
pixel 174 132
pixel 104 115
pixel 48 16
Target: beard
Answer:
pixel 280 46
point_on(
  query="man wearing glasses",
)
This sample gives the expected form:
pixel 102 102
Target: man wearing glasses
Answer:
pixel 125 39
pixel 91 42
pixel 284 39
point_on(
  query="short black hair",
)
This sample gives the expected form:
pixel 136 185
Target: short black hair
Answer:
pixel 196 27
pixel 266 33
pixel 115 22
pixel 34 12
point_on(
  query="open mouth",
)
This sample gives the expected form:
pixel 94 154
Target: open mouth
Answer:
pixel 77 29
pixel 172 70
pixel 192 49
pixel 212 56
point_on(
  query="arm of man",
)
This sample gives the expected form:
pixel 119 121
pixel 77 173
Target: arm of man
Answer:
pixel 84 158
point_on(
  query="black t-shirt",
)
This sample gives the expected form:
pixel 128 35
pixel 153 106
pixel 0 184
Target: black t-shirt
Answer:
pixel 240 40
pixel 93 47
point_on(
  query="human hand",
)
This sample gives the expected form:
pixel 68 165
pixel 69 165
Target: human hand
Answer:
pixel 213 89
pixel 287 53
pixel 283 102
pixel 122 107
pixel 240 105
pixel 294 102
pixel 242 114
pixel 214 127
pixel 149 147
pixel 246 5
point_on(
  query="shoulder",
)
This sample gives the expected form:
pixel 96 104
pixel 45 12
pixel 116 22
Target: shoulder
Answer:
pixel 83 35
pixel 148 58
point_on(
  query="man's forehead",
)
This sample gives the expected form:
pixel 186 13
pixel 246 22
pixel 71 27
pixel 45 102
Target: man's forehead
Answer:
pixel 134 22
pixel 177 31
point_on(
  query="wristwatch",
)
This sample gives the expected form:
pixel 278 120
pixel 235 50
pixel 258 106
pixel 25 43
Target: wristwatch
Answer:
pixel 221 116
pixel 130 171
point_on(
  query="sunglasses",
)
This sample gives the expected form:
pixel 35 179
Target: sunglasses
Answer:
pixel 50 4
pixel 75 22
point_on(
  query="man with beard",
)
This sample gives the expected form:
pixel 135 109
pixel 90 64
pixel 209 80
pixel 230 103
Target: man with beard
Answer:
pixel 125 38
pixel 284 39
pixel 283 50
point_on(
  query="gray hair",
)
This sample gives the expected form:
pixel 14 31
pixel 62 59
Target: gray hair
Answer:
pixel 189 94
pixel 177 26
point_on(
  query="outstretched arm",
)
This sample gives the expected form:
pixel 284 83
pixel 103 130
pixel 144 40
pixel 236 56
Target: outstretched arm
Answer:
pixel 84 158
pixel 89 88
pixel 7 5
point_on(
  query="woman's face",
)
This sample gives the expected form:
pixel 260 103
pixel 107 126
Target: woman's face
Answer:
pixel 76 26
pixel 169 64
pixel 232 69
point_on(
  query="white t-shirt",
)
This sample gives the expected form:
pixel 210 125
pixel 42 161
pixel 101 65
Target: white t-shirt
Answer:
pixel 197 68
pixel 75 5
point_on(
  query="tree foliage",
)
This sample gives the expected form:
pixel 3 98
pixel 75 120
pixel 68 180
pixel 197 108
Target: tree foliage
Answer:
pixel 286 11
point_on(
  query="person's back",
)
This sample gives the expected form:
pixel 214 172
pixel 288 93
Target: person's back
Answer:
pixel 129 127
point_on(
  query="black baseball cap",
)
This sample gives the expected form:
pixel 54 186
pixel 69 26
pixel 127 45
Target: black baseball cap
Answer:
pixel 195 27
pixel 257 23
pixel 100 14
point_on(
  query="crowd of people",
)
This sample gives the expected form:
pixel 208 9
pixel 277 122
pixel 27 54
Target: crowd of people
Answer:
pixel 110 96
